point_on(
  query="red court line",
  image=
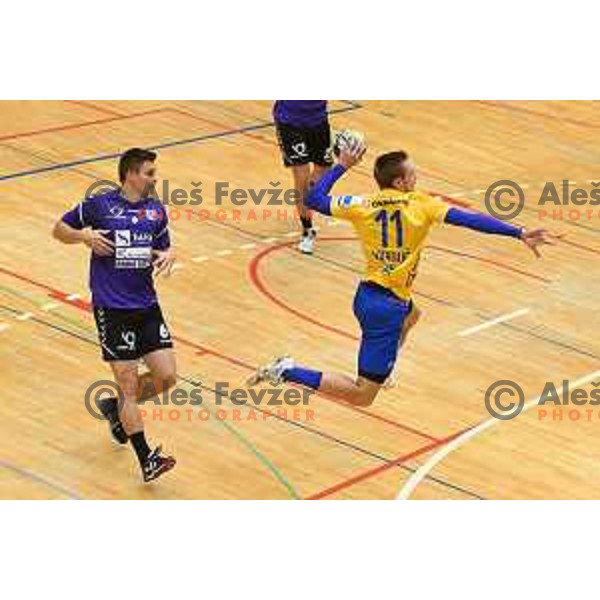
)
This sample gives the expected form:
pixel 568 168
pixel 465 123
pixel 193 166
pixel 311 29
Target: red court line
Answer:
pixel 365 475
pixel 86 306
pixel 14 136
pixel 358 409
pixel 258 283
pixel 538 113
pixel 96 107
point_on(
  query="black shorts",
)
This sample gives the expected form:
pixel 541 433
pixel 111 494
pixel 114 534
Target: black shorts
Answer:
pixel 301 146
pixel 129 334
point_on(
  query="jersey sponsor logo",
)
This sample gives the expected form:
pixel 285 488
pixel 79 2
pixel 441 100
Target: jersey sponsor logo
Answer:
pixel 347 201
pixel 141 252
pixel 388 202
pixel 122 237
pixel 152 214
pixel 142 237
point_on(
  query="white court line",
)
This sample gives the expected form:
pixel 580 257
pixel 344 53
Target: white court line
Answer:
pixel 415 479
pixel 270 240
pixel 291 234
pixel 177 266
pixel 247 246
pixel 492 322
pixel 50 306
pixel 72 297
pixel 24 316
pixel 4 327
pixel 199 259
pixel 224 252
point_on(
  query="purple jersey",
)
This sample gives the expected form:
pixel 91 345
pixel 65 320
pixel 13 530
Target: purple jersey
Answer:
pixel 300 113
pixel 123 280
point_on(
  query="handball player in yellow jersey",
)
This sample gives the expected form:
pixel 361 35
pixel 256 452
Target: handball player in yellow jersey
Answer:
pixel 392 226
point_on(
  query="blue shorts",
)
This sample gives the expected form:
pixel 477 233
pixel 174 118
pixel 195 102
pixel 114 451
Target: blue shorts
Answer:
pixel 381 315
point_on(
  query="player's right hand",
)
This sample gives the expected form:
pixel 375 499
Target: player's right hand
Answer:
pixel 96 240
pixel 353 155
pixel 533 238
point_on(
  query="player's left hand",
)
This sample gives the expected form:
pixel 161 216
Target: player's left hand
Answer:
pixel 163 261
pixel 352 156
pixel 533 238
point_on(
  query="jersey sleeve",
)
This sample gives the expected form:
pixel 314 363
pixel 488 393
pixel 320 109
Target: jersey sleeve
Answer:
pixel 348 208
pixel 81 215
pixel 436 209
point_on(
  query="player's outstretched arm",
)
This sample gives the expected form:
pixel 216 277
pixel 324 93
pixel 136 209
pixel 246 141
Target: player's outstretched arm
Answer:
pixel 486 224
pixel 318 198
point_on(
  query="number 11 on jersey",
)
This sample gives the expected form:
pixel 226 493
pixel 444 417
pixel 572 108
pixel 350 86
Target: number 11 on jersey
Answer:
pixel 385 219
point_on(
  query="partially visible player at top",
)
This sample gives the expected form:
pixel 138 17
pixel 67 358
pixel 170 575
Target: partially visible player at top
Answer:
pixel 304 137
pixel 392 226
pixel 128 233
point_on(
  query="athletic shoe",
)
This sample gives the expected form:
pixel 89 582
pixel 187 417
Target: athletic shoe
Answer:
pixel 108 407
pixel 307 243
pixel 156 464
pixel 273 372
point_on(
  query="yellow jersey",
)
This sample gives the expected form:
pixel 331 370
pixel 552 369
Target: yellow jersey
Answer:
pixel 392 227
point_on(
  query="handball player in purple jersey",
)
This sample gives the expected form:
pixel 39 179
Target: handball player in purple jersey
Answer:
pixel 127 231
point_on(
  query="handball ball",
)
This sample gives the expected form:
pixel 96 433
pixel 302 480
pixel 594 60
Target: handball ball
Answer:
pixel 345 139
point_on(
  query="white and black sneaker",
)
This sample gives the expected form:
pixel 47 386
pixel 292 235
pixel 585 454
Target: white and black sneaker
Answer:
pixel 156 464
pixel 273 372
pixel 307 243
pixel 110 410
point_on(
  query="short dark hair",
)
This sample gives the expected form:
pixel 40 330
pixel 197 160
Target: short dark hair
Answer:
pixel 132 160
pixel 389 167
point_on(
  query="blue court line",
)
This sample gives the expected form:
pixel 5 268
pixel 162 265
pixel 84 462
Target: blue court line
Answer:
pixel 39 479
pixel 193 140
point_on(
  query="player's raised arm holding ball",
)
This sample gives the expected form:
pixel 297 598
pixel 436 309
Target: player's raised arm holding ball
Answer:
pixel 392 226
pixel 127 231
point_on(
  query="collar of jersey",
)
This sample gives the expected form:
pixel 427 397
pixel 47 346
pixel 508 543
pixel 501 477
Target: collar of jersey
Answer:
pixel 122 198
pixel 391 192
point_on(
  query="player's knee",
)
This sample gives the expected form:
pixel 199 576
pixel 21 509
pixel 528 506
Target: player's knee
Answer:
pixel 128 382
pixel 170 380
pixel 366 391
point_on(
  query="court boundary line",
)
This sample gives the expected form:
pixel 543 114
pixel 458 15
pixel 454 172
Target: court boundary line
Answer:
pixel 322 434
pixel 241 438
pixel 417 477
pixel 28 474
pixel 373 472
pixel 203 350
pixel 507 106
pixel 160 146
pixel 71 126
pixel 257 282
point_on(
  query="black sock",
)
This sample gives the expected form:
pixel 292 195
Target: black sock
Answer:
pixel 111 409
pixel 140 445
pixel 306 224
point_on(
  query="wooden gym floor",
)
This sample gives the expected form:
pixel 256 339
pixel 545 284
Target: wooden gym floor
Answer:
pixel 242 294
